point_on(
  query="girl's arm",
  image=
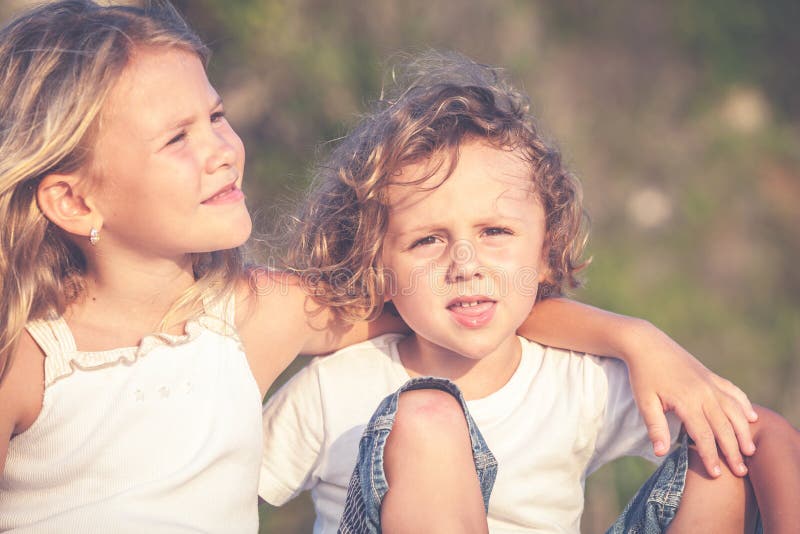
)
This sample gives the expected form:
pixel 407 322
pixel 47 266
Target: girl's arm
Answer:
pixel 277 319
pixel 21 392
pixel 663 376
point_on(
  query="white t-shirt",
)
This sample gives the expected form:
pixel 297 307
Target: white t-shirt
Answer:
pixel 558 418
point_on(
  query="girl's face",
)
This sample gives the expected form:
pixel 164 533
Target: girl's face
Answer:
pixel 465 258
pixel 169 165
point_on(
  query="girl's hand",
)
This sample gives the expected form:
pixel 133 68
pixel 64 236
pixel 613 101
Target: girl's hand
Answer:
pixel 663 375
pixel 714 412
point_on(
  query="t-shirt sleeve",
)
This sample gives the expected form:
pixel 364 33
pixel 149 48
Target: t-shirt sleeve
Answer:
pixel 293 438
pixel 622 430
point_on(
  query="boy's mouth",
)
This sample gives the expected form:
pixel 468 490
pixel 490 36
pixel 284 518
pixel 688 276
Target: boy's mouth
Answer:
pixel 470 303
pixel 472 312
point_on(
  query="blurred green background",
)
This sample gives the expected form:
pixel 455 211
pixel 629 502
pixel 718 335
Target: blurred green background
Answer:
pixel 681 119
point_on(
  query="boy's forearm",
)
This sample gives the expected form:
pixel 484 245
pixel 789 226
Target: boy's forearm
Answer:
pixel 568 324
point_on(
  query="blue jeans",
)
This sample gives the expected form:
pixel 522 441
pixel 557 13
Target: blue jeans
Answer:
pixel 650 511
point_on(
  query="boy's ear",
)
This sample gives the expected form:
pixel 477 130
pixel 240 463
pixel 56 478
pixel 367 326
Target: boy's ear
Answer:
pixel 61 202
pixel 545 273
pixel 544 265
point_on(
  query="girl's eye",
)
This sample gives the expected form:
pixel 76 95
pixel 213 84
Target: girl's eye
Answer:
pixel 427 240
pixel 217 116
pixel 178 138
pixel 494 231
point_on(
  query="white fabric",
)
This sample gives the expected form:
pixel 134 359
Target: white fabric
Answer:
pixel 559 417
pixel 164 437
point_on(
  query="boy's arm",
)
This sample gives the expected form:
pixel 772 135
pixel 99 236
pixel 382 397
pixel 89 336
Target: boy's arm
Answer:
pixel 293 423
pixel 663 375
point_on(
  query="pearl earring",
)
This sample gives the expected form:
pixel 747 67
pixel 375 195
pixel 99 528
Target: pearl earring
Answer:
pixel 94 236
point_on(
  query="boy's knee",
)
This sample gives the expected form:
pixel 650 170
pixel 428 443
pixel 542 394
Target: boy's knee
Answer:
pixel 772 424
pixel 432 413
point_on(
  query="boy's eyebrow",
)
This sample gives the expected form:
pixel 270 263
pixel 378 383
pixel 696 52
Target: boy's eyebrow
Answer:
pixel 415 229
pixel 493 220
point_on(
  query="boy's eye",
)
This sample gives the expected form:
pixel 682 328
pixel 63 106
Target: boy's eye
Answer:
pixel 493 231
pixel 427 240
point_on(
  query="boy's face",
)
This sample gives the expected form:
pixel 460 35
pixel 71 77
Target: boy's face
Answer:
pixel 464 259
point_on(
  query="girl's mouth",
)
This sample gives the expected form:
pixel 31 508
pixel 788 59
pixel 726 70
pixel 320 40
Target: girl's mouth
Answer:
pixel 226 195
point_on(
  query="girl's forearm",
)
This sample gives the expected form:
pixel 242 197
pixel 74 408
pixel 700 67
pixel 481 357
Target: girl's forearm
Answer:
pixel 664 377
pixel 568 324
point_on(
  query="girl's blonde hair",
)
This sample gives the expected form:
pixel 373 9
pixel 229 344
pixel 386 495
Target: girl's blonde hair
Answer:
pixel 442 100
pixel 58 64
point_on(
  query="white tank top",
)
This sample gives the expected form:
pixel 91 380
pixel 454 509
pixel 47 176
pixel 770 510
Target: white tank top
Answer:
pixel 163 437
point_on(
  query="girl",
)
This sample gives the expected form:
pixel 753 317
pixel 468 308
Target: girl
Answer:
pixel 135 348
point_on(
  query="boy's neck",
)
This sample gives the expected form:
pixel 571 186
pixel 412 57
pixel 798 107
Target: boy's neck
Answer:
pixel 477 378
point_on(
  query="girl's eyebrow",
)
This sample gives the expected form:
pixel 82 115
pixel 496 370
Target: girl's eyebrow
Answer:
pixel 186 121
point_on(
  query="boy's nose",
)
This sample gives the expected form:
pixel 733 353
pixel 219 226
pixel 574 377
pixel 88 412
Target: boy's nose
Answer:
pixel 464 264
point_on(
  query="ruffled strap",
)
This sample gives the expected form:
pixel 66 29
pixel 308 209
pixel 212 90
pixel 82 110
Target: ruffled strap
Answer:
pixel 55 339
pixel 62 357
pixel 222 308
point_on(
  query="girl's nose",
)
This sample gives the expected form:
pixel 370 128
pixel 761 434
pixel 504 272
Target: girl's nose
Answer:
pixel 463 262
pixel 223 153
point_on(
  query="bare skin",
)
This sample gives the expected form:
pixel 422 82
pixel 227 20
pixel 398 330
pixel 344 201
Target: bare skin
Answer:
pixel 449 500
pixel 771 487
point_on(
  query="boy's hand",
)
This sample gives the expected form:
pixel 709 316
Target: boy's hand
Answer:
pixel 714 412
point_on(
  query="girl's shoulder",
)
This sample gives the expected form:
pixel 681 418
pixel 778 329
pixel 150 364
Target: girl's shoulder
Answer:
pixel 21 391
pixel 278 318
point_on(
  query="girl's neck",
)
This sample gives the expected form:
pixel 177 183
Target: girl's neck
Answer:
pixel 155 284
pixel 129 298
pixel 477 378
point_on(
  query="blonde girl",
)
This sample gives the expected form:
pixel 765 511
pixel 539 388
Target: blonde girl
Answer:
pixel 135 347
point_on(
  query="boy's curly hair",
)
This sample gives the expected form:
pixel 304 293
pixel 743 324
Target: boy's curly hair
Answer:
pixel 335 240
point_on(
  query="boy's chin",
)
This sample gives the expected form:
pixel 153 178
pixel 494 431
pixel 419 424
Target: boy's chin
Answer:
pixel 478 349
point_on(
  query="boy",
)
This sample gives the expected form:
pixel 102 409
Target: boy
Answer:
pixel 473 219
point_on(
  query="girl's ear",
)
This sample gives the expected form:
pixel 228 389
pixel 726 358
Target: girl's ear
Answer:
pixel 64 206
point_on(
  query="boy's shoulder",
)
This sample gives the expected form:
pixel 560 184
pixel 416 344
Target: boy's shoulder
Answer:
pixel 348 375
pixel 384 344
pixel 378 351
pixel 562 358
pixel 581 370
